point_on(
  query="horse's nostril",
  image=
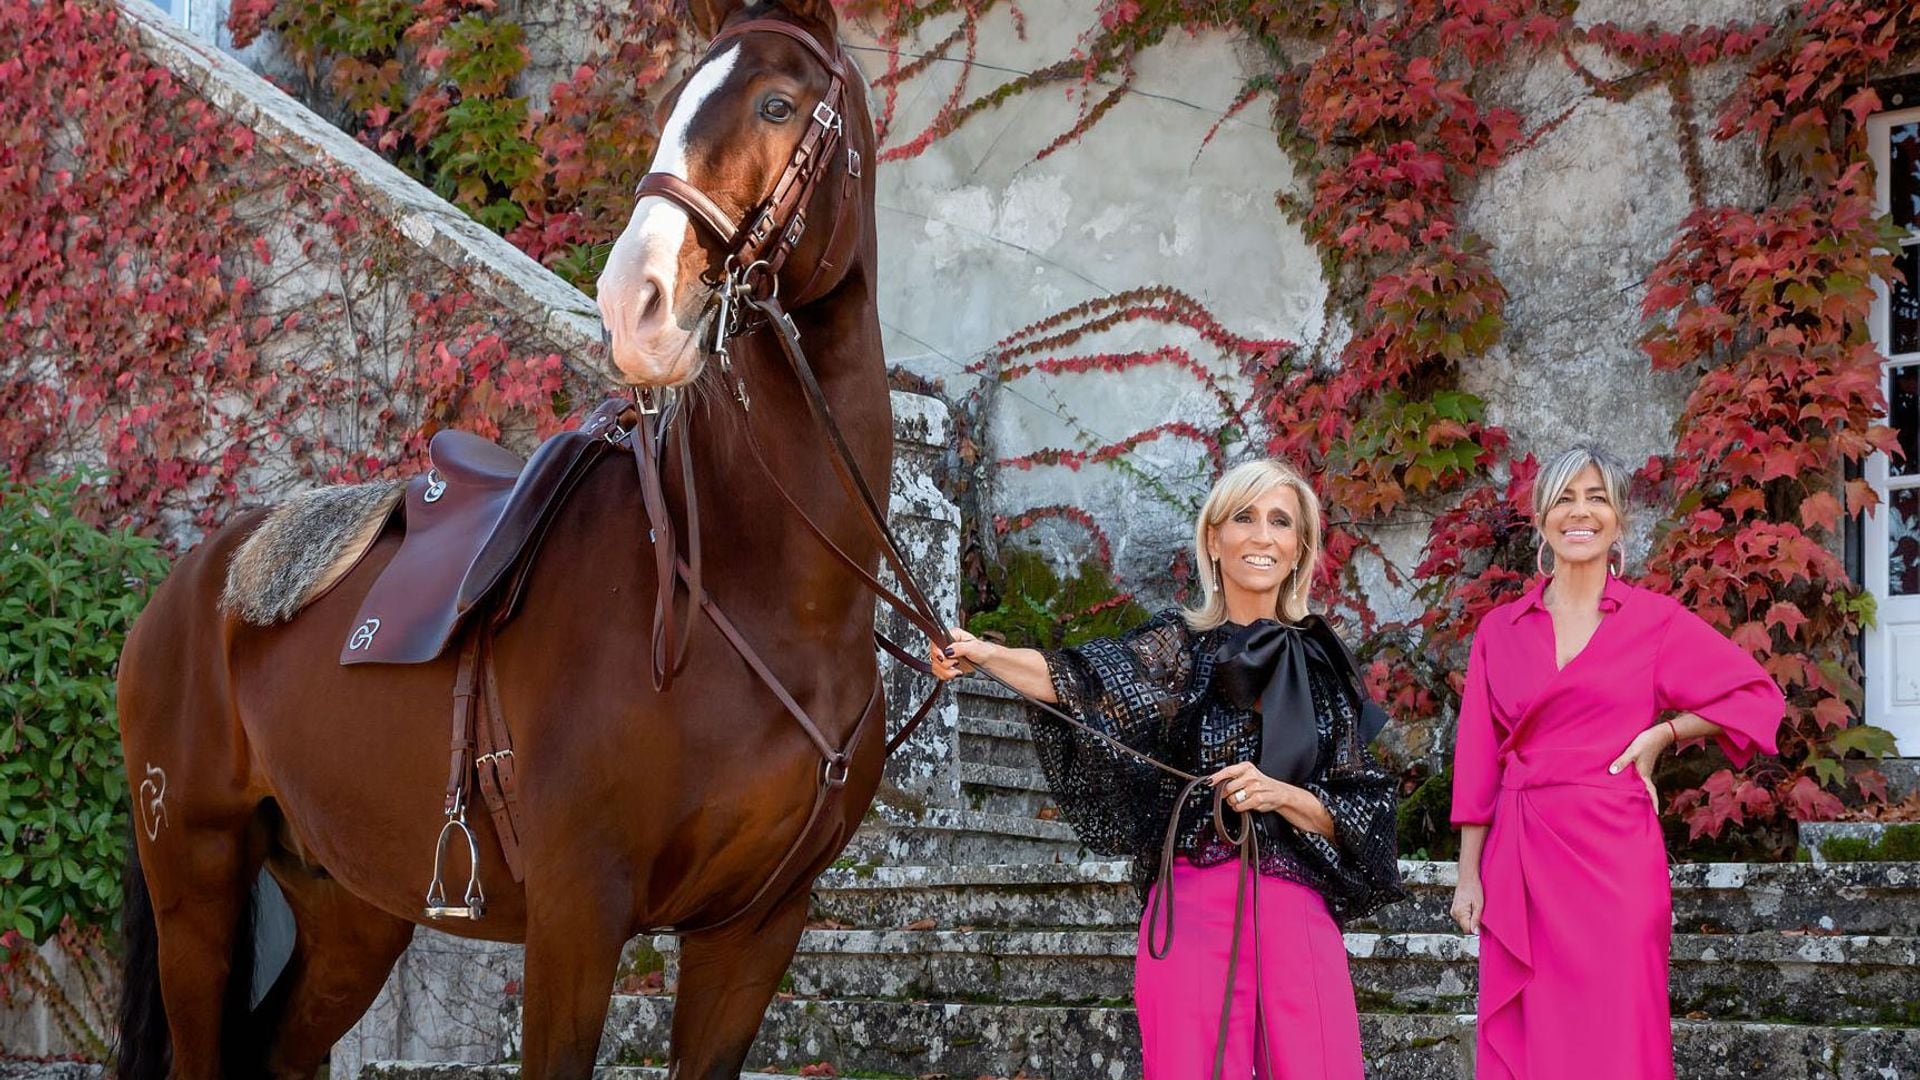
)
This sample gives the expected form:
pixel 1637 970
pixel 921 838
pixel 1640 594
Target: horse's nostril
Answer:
pixel 653 301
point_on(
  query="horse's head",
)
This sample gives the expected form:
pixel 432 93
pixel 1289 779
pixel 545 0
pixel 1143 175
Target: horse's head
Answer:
pixel 757 176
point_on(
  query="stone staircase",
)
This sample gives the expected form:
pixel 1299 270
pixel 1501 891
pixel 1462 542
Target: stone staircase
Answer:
pixel 981 941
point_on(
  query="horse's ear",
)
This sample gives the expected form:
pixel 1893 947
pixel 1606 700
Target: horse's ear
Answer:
pixel 818 11
pixel 708 15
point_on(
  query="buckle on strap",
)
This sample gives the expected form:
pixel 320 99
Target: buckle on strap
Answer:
pixel 834 774
pixel 826 117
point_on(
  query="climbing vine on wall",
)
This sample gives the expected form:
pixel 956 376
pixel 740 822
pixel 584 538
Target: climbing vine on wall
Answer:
pixel 1380 108
pixel 202 319
pixel 436 87
pixel 1769 306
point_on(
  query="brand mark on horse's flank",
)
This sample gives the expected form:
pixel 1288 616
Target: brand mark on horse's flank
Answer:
pixel 363 635
pixel 153 809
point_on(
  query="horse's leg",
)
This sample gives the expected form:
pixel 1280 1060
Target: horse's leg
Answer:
pixel 199 842
pixel 343 949
pixel 574 936
pixel 200 877
pixel 727 978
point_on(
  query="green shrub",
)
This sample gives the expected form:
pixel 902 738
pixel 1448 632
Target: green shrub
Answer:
pixel 1424 819
pixel 68 593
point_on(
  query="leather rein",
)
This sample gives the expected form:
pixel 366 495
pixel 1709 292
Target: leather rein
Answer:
pixel 748 297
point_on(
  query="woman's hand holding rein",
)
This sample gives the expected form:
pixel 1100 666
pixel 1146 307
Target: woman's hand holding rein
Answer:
pixel 1023 669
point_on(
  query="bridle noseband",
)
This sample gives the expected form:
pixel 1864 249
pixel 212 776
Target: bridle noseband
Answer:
pixel 757 250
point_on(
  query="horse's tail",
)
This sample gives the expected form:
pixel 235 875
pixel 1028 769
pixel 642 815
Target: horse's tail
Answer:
pixel 145 1047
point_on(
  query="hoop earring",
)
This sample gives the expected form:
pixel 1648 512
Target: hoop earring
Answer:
pixel 1540 559
pixel 1617 548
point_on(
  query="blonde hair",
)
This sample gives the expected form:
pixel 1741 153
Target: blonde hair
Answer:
pixel 1240 488
pixel 1557 475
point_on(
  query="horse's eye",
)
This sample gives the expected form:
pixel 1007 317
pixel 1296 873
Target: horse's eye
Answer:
pixel 777 109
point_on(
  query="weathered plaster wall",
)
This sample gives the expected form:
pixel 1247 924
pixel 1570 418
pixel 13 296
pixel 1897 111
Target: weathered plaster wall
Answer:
pixel 979 239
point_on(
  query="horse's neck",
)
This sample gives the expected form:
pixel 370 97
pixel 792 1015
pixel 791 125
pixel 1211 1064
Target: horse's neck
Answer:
pixel 841 341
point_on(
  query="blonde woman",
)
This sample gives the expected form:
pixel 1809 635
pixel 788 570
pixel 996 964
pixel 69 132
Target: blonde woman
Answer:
pixel 1256 693
pixel 1563 871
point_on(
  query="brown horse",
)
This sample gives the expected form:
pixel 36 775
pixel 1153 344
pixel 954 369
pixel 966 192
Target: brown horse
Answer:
pixel 249 747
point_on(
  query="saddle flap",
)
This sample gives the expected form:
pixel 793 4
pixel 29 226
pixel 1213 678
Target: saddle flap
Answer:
pixel 467 524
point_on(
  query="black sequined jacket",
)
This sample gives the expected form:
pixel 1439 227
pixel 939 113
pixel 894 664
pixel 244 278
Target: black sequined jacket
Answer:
pixel 1152 689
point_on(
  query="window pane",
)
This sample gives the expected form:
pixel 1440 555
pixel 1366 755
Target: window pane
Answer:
pixel 1903 174
pixel 1903 412
pixel 1903 302
pixel 1903 542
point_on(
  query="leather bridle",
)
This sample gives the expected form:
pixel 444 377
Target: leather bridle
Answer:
pixel 772 229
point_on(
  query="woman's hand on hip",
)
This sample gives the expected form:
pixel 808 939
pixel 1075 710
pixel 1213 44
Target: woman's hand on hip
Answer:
pixel 1246 788
pixel 962 656
pixel 1642 753
pixel 1469 901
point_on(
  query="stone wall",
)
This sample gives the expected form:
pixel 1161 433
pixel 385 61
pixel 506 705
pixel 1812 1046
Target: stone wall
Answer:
pixel 980 239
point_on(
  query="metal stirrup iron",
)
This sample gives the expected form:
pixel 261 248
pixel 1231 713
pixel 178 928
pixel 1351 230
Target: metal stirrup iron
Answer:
pixel 474 904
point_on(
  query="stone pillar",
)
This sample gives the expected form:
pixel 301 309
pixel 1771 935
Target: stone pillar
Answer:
pixel 927 524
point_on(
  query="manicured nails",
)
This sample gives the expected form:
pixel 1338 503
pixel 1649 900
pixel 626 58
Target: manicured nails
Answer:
pixel 1613 769
pixel 948 652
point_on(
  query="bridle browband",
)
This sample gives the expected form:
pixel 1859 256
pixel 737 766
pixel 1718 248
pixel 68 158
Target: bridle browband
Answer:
pixel 775 226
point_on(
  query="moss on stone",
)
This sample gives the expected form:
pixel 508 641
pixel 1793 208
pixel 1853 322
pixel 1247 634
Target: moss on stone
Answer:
pixel 1896 843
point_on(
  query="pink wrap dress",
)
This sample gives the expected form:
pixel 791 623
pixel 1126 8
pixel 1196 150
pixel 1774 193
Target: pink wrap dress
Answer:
pixel 1578 921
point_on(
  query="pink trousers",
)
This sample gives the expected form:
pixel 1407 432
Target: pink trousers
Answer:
pixel 1293 1012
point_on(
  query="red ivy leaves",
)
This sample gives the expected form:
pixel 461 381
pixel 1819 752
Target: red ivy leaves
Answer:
pixel 152 333
pixel 1770 306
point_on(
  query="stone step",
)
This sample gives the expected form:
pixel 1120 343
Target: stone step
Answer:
pixel 1841 841
pixel 909 1038
pixel 454 1071
pixel 944 837
pixel 1011 777
pixel 983 699
pixel 1005 789
pixel 1798 978
pixel 1876 899
pixel 1093 893
pixel 991 740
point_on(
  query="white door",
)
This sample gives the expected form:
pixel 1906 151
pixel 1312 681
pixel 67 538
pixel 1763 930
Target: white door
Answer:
pixel 1892 541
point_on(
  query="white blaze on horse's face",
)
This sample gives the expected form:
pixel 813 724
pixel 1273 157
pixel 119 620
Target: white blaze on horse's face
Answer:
pixel 653 327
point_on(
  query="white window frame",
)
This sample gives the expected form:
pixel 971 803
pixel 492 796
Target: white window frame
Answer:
pixel 1891 652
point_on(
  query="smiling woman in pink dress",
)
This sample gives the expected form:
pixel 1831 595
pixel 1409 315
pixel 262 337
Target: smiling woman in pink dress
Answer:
pixel 1563 872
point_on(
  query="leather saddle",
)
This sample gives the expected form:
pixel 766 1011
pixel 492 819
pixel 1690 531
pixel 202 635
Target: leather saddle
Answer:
pixel 472 525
